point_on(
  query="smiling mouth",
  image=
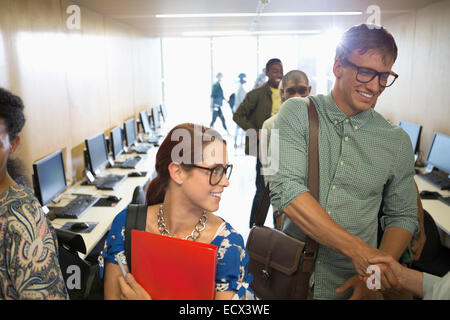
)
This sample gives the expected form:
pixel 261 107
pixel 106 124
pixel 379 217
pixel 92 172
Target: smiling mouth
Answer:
pixel 365 94
pixel 216 194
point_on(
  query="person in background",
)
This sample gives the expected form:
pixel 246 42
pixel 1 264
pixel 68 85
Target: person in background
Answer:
pixel 259 105
pixel 182 197
pixel 295 84
pixel 239 97
pixel 29 266
pixel 216 102
pixel 260 79
pixel 363 159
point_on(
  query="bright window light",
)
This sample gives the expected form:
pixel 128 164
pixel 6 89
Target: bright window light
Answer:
pixel 266 14
pixel 246 33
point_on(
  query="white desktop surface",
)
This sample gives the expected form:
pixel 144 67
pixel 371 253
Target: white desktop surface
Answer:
pixel 105 215
pixel 437 209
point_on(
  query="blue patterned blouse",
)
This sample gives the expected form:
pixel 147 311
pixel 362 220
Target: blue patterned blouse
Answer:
pixel 232 258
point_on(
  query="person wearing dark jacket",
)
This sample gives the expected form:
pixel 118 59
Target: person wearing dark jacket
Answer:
pixel 259 105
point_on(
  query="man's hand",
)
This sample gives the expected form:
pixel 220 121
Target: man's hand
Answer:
pixel 391 268
pixel 360 256
pixel 360 290
pixel 417 245
pixel 131 290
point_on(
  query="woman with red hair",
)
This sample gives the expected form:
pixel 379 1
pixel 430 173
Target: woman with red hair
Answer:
pixel 192 172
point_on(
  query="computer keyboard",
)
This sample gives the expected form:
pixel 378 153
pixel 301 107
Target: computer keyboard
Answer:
pixel 131 163
pixel 109 182
pixel 439 181
pixel 445 200
pixel 154 140
pixel 142 148
pixel 75 208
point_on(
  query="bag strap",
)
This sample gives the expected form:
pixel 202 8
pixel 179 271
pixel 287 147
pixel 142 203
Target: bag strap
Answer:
pixel 136 219
pixel 313 167
pixel 313 179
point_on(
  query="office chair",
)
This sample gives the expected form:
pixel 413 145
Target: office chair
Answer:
pixel 79 274
pixel 138 195
pixel 435 258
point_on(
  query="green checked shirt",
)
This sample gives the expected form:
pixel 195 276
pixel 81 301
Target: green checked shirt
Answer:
pixel 362 159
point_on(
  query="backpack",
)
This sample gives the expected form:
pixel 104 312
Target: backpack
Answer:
pixel 136 219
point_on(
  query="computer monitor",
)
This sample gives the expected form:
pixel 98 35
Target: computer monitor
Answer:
pixel 97 152
pixel 414 131
pixel 155 118
pixel 116 142
pixel 144 120
pixel 130 132
pixel 439 155
pixel 49 177
pixel 163 112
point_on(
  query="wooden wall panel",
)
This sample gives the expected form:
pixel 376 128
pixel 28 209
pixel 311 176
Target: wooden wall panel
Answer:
pixel 119 57
pixel 75 83
pixel 421 94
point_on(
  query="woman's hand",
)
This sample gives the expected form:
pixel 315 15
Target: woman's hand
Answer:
pixel 131 290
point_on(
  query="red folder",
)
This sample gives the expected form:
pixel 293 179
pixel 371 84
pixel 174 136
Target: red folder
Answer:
pixel 173 269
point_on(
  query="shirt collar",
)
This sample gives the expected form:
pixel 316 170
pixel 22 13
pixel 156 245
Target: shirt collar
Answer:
pixel 335 115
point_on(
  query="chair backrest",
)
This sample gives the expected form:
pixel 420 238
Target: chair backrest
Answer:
pixel 432 247
pixel 138 195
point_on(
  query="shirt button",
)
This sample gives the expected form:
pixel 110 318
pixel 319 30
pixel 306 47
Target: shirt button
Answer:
pixel 347 120
pixel 356 127
pixel 318 261
pixel 346 139
pixel 329 212
pixel 333 187
pixel 342 163
pixel 335 122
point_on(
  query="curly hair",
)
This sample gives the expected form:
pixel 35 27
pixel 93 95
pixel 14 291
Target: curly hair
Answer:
pixel 11 110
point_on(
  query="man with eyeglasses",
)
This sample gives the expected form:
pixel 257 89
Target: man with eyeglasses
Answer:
pixel 362 159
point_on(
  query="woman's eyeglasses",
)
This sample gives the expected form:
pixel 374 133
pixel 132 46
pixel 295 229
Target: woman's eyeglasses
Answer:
pixel 216 173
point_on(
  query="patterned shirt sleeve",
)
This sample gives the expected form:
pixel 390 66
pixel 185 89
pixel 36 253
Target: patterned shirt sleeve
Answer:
pixel 232 264
pixel 31 253
pixel 291 178
pixel 115 242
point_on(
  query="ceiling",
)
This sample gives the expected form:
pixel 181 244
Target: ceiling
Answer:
pixel 141 14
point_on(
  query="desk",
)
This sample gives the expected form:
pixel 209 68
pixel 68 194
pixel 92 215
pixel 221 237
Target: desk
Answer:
pixel 437 209
pixel 105 215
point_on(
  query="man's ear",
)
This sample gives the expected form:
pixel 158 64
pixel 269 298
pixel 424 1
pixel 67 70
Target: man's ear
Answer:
pixel 177 174
pixel 283 99
pixel 309 90
pixel 14 144
pixel 337 68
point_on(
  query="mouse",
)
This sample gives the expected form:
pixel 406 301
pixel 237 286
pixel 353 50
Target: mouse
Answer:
pixel 113 198
pixel 79 226
pixel 429 194
pixel 135 174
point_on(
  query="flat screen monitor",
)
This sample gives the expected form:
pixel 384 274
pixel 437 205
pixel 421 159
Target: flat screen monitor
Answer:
pixel 49 177
pixel 163 111
pixel 97 152
pixel 144 120
pixel 439 155
pixel 413 130
pixel 116 142
pixel 130 132
pixel 155 118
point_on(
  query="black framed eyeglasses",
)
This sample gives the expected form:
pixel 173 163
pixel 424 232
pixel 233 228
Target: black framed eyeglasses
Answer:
pixel 365 75
pixel 216 173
